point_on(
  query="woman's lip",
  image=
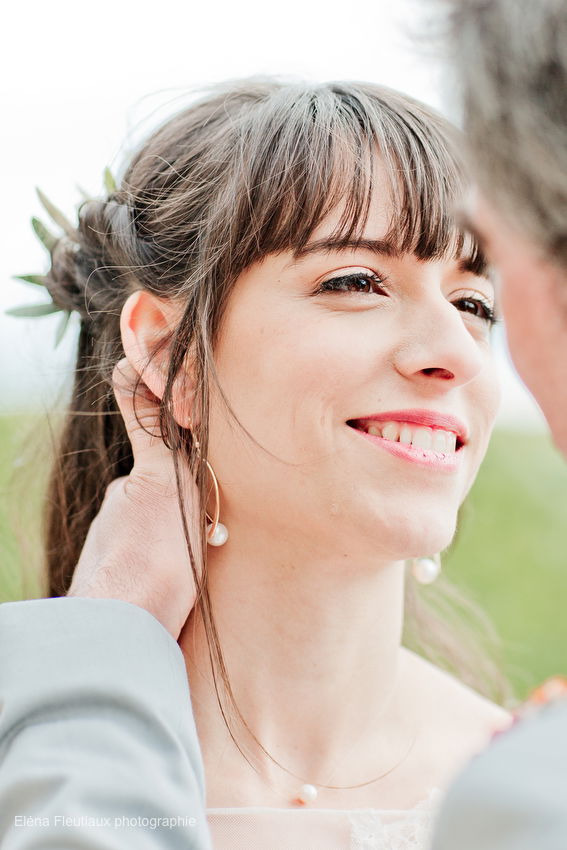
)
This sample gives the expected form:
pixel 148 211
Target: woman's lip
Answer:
pixel 427 418
pixel 449 462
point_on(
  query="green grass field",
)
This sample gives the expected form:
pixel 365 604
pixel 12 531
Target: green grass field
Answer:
pixel 22 475
pixel 509 553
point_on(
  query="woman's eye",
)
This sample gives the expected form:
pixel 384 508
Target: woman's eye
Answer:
pixel 477 307
pixel 358 282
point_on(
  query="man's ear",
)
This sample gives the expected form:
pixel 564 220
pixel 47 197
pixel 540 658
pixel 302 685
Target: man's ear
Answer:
pixel 145 321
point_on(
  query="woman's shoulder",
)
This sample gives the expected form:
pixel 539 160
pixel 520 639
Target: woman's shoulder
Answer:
pixel 446 694
pixel 461 721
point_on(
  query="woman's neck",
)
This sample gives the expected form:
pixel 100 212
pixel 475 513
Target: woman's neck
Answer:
pixel 312 651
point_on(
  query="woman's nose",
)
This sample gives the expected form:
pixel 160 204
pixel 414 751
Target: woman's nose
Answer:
pixel 438 347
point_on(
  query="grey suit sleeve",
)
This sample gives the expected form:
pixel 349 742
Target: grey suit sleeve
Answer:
pixel 514 795
pixel 98 746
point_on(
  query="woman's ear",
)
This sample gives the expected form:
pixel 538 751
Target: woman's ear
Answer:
pixel 145 321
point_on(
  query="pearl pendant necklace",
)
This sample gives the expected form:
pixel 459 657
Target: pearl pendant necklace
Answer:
pixel 306 794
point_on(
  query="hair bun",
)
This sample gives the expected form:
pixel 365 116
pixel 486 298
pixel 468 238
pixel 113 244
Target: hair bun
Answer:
pixel 85 259
pixel 66 280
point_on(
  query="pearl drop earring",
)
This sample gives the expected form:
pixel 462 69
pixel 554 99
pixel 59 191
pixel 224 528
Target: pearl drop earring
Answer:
pixel 217 533
pixel 426 570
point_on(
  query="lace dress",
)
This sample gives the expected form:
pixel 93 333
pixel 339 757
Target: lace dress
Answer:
pixel 324 829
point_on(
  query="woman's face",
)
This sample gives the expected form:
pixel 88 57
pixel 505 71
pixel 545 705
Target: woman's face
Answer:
pixel 334 361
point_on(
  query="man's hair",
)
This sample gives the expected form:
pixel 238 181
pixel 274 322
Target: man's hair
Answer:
pixel 511 62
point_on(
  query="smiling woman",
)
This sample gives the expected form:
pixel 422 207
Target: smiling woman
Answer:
pixel 280 265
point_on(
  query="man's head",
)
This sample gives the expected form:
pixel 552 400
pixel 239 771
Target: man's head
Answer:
pixel 511 63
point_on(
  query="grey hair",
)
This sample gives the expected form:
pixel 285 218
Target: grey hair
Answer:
pixel 511 63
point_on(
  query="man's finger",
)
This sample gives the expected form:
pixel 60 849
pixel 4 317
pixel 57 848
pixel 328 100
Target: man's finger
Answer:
pixel 141 417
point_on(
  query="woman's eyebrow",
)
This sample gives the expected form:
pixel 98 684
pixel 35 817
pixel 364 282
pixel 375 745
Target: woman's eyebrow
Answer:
pixel 476 265
pixel 378 246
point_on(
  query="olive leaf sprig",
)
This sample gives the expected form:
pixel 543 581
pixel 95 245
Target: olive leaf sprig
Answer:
pixel 49 241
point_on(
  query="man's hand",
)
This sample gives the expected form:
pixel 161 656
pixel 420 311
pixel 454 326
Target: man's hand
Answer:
pixel 135 550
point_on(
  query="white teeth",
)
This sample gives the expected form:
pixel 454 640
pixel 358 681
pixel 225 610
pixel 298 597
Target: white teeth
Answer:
pixel 423 438
pixel 451 442
pixel 440 441
pixel 391 431
pixel 406 435
pixel 428 439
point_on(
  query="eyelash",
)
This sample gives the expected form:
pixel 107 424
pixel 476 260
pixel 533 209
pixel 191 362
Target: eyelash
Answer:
pixel 326 285
pixel 333 284
pixel 488 312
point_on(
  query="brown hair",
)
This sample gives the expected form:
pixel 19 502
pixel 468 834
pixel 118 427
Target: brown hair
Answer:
pixel 249 170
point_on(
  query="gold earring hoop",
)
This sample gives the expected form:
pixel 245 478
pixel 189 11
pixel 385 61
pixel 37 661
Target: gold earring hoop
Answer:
pixel 217 533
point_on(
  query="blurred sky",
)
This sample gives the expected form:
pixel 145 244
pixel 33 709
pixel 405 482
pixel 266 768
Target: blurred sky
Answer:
pixel 81 83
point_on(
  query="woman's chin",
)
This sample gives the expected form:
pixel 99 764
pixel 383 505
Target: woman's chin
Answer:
pixel 422 536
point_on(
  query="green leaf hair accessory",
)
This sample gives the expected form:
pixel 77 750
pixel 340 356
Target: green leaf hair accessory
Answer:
pixel 62 327
pixel 49 241
pixel 109 181
pixel 56 215
pixel 35 279
pixel 31 311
